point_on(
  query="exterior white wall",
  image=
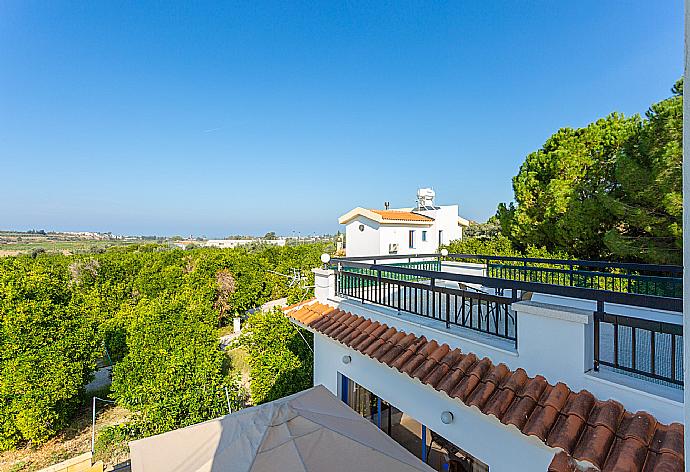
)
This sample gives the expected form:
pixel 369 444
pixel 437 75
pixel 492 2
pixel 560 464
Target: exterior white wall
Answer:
pixel 445 219
pixel 362 243
pixel 400 234
pixel 376 238
pixel 553 341
pixel 503 448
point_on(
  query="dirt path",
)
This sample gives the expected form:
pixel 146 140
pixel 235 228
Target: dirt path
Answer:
pixel 75 440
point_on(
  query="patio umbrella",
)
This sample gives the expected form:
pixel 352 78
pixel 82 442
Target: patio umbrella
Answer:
pixel 308 431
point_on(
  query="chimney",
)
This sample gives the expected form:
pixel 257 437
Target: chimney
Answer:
pixel 387 205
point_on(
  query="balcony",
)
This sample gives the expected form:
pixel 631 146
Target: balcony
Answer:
pixel 636 309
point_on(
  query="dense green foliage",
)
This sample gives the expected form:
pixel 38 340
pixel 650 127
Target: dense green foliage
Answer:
pixel 610 190
pixel 647 202
pixel 488 230
pixel 172 375
pixel 47 349
pixel 154 310
pixel 280 356
pixel 499 246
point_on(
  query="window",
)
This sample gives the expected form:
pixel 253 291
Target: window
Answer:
pixel 427 445
pixel 411 239
pixel 440 237
pixel 423 235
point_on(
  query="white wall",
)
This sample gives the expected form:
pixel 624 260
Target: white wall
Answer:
pixel 446 219
pixel 552 341
pixel 400 234
pixel 376 238
pixel 503 448
pixel 362 243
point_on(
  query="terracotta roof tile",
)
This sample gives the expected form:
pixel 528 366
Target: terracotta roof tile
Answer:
pixel 398 215
pixel 640 426
pixel 594 445
pixel 518 413
pixel 590 433
pixel 566 432
pixel 562 462
pixel 442 368
pixel 626 455
pixel 398 348
pixel 457 373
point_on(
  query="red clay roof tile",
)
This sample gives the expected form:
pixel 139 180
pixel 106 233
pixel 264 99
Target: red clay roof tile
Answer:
pixel 499 403
pixel 594 445
pixel 626 456
pixel 600 433
pixel 566 432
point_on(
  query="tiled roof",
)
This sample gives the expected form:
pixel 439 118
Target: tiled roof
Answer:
pixel 590 432
pixel 397 215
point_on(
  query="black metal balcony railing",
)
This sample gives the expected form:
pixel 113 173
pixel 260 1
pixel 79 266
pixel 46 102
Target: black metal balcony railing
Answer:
pixel 642 279
pixel 642 347
pixel 647 348
pixel 477 311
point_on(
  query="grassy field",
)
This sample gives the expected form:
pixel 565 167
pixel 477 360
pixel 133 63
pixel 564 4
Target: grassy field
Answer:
pixel 27 245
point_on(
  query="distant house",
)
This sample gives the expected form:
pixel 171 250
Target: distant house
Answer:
pixel 402 231
pixel 230 243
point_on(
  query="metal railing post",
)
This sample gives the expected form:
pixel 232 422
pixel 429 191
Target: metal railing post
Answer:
pixel 597 314
pixel 378 286
pixel 433 298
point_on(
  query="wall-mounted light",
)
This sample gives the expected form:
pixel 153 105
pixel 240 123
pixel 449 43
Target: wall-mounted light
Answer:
pixel 446 417
pixel 347 359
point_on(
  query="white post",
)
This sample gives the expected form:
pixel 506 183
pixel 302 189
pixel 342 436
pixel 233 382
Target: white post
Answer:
pixel 565 333
pixel 93 426
pixel 686 232
pixel 227 399
pixel 324 284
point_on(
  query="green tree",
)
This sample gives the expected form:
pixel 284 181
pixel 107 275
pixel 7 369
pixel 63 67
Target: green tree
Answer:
pixel 647 200
pixel 48 348
pixel 489 230
pixel 558 189
pixel 171 376
pixel 281 360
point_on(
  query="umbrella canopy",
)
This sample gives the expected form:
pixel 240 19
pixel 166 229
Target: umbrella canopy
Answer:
pixel 309 431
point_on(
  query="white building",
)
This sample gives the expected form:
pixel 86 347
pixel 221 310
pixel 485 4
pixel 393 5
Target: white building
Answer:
pixel 418 230
pixel 230 243
pixel 499 405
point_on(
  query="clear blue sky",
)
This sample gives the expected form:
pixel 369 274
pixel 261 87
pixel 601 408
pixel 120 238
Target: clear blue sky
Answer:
pixel 154 118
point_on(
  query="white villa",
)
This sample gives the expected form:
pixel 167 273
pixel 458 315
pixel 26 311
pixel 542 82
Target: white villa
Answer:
pixel 450 375
pixel 419 230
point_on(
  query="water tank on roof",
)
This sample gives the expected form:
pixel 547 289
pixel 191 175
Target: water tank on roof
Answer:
pixel 425 197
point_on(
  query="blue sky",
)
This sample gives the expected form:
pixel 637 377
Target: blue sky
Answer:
pixel 245 117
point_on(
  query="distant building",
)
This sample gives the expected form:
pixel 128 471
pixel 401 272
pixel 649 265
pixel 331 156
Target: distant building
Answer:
pixel 230 243
pixel 227 243
pixel 402 231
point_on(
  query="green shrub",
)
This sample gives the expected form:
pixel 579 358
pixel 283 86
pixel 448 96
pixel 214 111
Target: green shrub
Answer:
pixel 48 348
pixel 281 360
pixel 172 374
pixel 154 309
